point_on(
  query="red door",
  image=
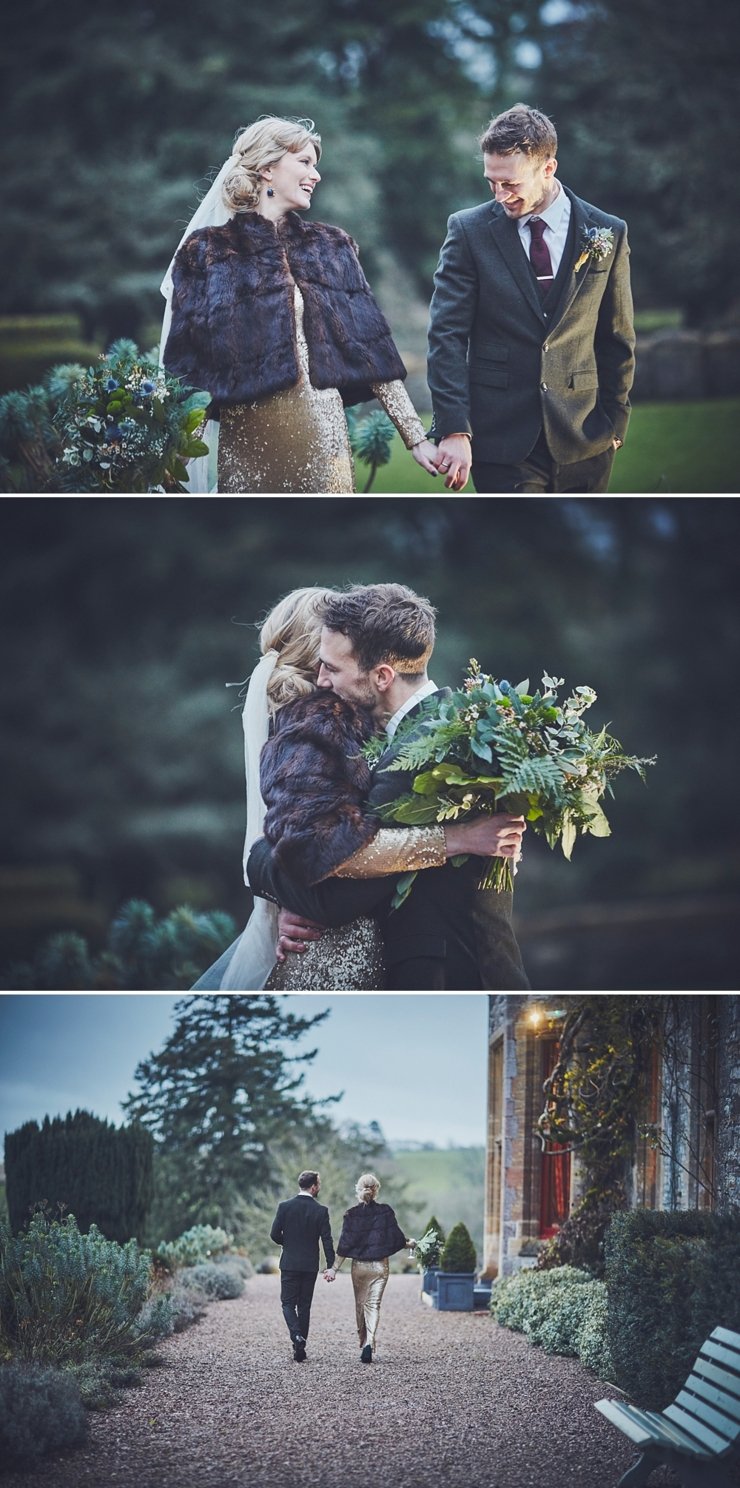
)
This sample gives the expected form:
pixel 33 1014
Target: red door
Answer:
pixel 555 1184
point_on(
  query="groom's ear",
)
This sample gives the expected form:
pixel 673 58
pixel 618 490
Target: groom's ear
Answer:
pixel 384 676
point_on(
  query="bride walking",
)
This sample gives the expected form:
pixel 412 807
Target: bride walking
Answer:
pixel 273 316
pixel 370 1235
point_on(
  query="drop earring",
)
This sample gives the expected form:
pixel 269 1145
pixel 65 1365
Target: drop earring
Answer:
pixel 270 191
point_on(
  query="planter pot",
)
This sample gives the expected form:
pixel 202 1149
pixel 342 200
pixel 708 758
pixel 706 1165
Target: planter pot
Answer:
pixel 454 1291
pixel 429 1279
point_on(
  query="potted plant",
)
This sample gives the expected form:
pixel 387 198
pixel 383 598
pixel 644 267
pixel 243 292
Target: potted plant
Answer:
pixel 456 1277
pixel 428 1251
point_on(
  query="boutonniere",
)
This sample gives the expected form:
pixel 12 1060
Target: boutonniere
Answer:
pixel 596 244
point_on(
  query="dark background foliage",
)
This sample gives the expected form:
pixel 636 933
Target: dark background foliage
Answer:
pixel 117 117
pixel 121 750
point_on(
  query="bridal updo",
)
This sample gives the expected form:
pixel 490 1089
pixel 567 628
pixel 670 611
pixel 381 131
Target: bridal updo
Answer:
pixel 293 630
pixel 366 1188
pixel 258 147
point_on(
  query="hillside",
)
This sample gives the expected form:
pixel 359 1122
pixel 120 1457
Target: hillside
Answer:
pixel 448 1182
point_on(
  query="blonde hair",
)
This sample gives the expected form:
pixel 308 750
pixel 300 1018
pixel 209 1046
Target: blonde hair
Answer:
pixel 293 629
pixel 260 145
pixel 366 1187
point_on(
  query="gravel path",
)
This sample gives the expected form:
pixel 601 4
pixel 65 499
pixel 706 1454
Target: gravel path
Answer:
pixel 451 1399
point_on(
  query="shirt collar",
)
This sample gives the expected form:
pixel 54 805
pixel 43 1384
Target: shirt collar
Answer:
pixel 553 214
pixel 426 689
pixel 303 1194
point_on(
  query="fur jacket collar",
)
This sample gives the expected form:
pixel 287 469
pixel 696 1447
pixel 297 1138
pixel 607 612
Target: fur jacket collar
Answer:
pixel 233 330
pixel 314 781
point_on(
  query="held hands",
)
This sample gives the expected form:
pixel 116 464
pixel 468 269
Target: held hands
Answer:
pixel 294 931
pixel 330 1274
pixel 498 836
pixel 427 455
pixel 454 460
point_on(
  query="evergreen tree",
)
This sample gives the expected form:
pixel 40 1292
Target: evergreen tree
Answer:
pixel 101 1173
pixel 219 1098
pixel 458 1252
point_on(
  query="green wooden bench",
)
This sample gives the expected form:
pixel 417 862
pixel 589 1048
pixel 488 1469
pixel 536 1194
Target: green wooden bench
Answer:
pixel 699 1432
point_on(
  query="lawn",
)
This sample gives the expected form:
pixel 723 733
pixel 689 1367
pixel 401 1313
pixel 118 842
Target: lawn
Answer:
pixel 672 449
pixel 448 1182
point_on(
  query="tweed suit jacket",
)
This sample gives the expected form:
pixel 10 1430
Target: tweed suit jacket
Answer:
pixel 502 369
pixel 446 919
pixel 298 1226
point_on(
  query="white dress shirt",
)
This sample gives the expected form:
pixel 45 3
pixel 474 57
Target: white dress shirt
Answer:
pixel 556 218
pixel 426 689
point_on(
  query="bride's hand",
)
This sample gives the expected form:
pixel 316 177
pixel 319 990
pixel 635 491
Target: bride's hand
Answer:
pixel 427 455
pixel 498 836
pixel 294 932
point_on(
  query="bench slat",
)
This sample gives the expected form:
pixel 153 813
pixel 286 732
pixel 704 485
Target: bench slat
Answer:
pixel 647 1426
pixel 708 1416
pixel 722 1377
pixel 711 1439
pixel 726 1335
pixel 720 1353
pixel 727 1403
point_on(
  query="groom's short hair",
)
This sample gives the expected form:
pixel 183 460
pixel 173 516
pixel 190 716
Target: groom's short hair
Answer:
pixel 386 623
pixel 307 1179
pixel 520 128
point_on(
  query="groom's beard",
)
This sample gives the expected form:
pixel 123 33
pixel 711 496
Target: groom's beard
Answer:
pixel 363 692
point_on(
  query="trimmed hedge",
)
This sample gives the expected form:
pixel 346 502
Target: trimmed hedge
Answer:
pixel 40 1411
pixel 671 1278
pixel 458 1252
pixel 564 1310
pixel 100 1172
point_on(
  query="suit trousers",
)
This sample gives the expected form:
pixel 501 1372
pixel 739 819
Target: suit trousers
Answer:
pixel 296 1295
pixel 539 475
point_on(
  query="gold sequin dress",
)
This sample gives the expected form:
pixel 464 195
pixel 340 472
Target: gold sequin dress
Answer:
pixel 349 958
pixel 297 440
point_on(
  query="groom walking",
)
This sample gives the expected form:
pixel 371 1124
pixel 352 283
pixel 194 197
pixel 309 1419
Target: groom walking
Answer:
pixel 531 338
pixel 298 1226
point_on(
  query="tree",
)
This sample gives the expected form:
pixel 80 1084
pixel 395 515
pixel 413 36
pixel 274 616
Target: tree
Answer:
pixel 218 1098
pixel 101 1173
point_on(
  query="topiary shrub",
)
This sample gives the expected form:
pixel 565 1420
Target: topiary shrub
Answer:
pixel 40 1410
pixel 458 1251
pixel 219 1282
pixel 669 1277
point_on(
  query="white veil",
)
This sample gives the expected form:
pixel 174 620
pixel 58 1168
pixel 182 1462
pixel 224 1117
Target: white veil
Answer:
pixel 254 956
pixel 212 212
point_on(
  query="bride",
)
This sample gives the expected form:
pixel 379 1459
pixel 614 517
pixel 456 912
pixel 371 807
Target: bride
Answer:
pixel 274 317
pixel 306 785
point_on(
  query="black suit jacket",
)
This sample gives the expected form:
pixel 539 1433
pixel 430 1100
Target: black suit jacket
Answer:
pixel 298 1226
pixel 502 366
pixel 448 934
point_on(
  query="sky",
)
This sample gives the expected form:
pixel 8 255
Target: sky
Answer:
pixel 415 1064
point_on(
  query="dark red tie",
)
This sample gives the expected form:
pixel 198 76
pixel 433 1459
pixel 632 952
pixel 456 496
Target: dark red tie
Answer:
pixel 539 256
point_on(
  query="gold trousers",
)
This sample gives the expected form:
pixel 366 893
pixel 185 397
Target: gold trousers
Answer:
pixel 368 1279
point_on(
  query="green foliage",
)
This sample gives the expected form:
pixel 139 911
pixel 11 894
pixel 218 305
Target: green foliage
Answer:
pixel 123 425
pixel 370 440
pixel 458 1251
pixel 429 1248
pixel 66 1297
pixel 217 1097
pixel 199 1243
pixel 101 1172
pixel 564 1311
pixel 142 953
pixel 219 1282
pixel 40 1411
pixel 671 1279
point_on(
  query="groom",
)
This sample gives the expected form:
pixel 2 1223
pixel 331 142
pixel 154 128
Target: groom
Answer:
pixel 448 935
pixel 531 338
pixel 298 1226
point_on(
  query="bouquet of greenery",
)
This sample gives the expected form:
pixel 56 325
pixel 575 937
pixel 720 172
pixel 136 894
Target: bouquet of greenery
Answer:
pixel 428 1250
pixel 126 425
pixel 121 425
pixel 544 764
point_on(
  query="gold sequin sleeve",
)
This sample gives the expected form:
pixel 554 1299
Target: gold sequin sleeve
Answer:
pixel 393 397
pixel 396 850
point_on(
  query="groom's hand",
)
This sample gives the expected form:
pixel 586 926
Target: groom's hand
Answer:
pixel 498 836
pixel 456 454
pixel 294 932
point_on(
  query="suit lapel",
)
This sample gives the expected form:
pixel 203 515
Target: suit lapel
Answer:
pixel 505 235
pixel 573 283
